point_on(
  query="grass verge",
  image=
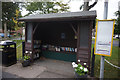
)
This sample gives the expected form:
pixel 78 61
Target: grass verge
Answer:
pixel 109 71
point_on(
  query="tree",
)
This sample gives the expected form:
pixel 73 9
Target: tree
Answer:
pixel 8 11
pixel 117 27
pixel 17 14
pixel 46 7
pixel 118 24
pixel 87 7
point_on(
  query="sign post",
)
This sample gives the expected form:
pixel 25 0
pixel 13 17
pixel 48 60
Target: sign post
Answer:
pixel 104 37
pixel 102 57
pixel 104 41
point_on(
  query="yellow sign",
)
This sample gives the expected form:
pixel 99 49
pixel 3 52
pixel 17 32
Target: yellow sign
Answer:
pixel 104 37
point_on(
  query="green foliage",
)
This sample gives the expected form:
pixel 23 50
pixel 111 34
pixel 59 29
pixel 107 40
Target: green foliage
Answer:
pixel 19 34
pixel 11 25
pixel 26 58
pixel 108 69
pixel 80 70
pixel 19 49
pixel 116 30
pixel 8 12
pixel 46 7
pixel 15 19
pixel 117 26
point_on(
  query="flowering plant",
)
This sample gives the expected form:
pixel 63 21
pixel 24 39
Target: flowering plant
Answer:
pixel 79 69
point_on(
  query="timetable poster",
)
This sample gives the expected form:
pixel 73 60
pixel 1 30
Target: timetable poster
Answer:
pixel 104 37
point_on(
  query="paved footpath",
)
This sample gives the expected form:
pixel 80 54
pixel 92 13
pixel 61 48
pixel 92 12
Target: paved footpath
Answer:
pixel 9 75
pixel 46 68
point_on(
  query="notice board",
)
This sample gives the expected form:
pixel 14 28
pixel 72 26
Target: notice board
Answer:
pixel 104 37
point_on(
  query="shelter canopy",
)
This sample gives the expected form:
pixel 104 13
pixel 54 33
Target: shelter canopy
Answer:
pixel 69 16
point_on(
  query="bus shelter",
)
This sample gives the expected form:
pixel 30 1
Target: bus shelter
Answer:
pixel 61 36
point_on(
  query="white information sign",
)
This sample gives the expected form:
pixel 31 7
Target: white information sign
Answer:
pixel 104 37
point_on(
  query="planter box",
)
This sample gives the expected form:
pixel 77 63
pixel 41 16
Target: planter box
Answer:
pixel 78 76
pixel 26 63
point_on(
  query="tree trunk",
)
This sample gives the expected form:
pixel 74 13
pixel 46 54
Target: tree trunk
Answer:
pixel 5 31
pixel 86 6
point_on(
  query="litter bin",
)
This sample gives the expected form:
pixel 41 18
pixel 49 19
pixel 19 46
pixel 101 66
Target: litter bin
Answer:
pixel 8 50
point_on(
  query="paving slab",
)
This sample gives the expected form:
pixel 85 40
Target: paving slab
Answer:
pixel 41 68
pixel 25 72
pixel 9 75
pixel 57 66
pixel 47 74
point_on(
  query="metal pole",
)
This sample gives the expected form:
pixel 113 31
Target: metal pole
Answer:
pixel 102 67
pixel 105 9
pixel 103 57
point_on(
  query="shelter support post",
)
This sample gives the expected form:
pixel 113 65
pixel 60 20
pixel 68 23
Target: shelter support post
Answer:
pixel 93 62
pixel 84 42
